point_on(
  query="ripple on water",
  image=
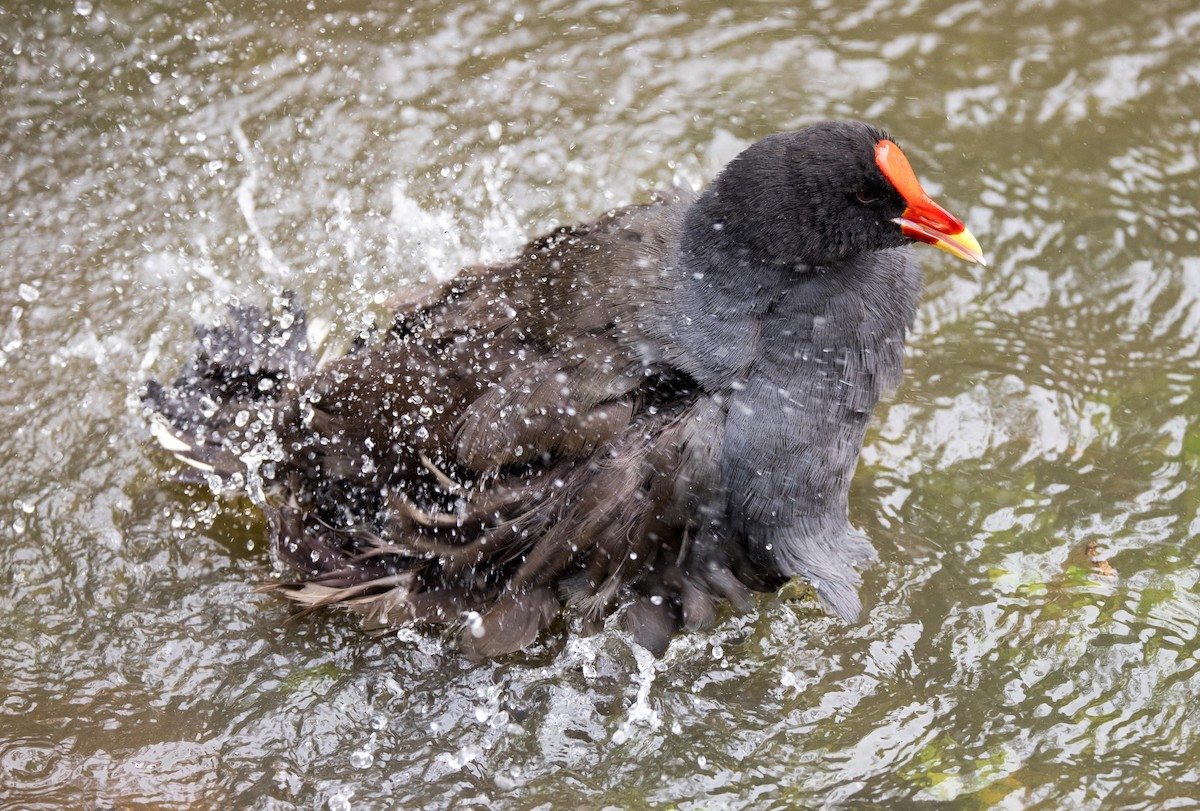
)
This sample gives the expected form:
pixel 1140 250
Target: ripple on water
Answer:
pixel 34 768
pixel 162 160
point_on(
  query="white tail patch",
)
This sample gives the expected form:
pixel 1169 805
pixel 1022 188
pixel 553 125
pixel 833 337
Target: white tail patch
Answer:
pixel 178 448
pixel 203 467
pixel 160 431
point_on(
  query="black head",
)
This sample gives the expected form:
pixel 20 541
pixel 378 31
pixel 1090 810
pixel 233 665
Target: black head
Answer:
pixel 818 196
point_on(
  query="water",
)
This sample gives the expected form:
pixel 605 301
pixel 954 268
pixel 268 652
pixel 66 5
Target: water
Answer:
pixel 157 159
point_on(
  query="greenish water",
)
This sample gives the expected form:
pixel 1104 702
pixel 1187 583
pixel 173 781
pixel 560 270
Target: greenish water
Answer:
pixel 158 158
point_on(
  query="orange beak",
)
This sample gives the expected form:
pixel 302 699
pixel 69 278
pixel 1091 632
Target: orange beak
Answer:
pixel 924 220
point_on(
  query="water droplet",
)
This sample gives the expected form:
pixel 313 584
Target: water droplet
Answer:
pixel 495 129
pixel 475 624
pixel 155 77
pixel 83 7
pixel 28 293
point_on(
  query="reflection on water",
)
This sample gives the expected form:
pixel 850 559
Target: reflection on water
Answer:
pixel 158 160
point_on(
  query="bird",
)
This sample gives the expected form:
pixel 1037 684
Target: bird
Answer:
pixel 656 413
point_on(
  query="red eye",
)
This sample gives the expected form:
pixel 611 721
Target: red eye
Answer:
pixel 865 197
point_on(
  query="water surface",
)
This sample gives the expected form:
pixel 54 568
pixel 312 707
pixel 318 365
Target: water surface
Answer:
pixel 158 158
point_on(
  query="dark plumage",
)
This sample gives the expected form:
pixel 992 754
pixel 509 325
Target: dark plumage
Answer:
pixel 663 407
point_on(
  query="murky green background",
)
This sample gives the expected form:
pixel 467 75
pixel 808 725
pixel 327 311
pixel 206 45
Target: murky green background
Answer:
pixel 156 158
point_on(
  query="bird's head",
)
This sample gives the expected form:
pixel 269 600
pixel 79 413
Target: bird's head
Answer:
pixel 820 195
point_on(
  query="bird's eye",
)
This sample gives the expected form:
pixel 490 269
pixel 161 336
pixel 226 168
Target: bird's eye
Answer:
pixel 865 196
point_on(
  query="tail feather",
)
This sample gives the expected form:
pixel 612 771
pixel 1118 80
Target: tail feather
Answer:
pixel 221 405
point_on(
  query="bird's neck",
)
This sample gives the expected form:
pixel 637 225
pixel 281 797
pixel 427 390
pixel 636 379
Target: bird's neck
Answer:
pixel 732 316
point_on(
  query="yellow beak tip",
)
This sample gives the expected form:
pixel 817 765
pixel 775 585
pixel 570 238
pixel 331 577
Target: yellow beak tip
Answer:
pixel 963 245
